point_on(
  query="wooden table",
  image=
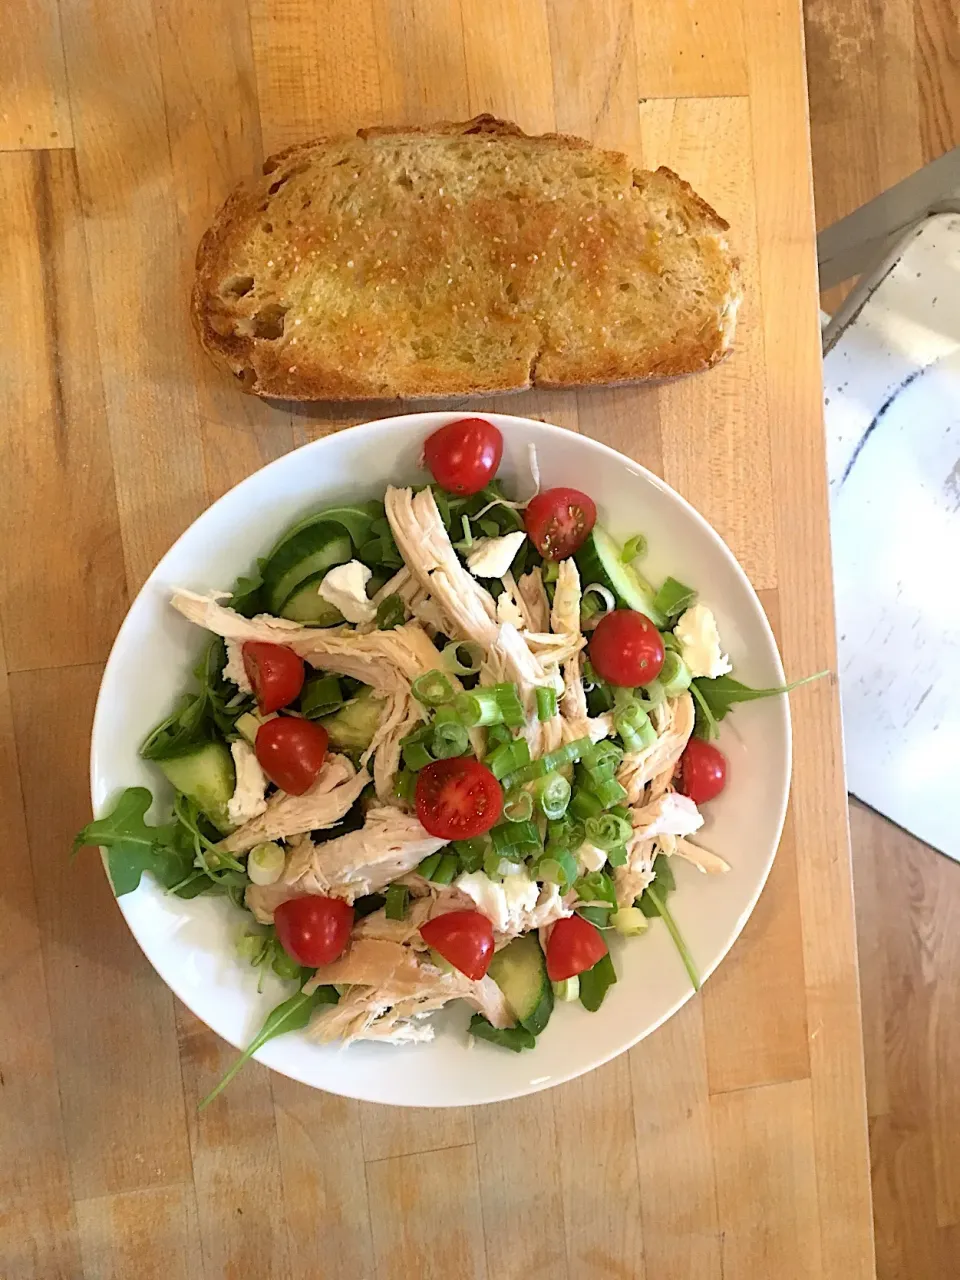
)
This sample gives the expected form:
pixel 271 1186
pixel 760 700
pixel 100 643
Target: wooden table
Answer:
pixel 732 1142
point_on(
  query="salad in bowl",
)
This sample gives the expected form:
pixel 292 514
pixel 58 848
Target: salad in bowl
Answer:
pixel 442 746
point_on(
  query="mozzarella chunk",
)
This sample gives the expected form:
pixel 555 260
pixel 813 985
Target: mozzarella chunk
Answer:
pixel 248 800
pixel 700 643
pixel 234 670
pixel 492 557
pixel 345 587
pixel 489 897
pixel 671 815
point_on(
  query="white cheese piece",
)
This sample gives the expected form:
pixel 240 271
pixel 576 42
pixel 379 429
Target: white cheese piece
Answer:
pixel 508 611
pixel 488 896
pixel 590 857
pixel 671 815
pixel 492 557
pixel 248 799
pixel 520 894
pixel 700 643
pixel 345 587
pixel 235 670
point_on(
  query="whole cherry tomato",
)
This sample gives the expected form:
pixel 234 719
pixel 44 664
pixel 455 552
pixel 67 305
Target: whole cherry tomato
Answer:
pixel 314 930
pixel 703 771
pixel 463 456
pixel 291 752
pixel 626 649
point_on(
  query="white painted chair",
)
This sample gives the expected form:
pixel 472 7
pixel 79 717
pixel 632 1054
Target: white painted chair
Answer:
pixel 892 405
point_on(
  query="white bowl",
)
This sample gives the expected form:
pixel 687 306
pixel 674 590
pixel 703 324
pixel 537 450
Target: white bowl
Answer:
pixel 191 944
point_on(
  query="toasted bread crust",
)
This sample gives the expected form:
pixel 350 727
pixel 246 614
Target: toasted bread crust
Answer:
pixel 300 299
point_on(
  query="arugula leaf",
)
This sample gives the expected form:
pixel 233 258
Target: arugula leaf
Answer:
pixel 513 1038
pixel 134 847
pixel 653 903
pixel 245 598
pixel 291 1015
pixel 714 698
pixel 596 982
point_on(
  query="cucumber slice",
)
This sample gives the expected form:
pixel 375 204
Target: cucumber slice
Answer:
pixel 599 561
pixel 306 605
pixel 356 517
pixel 520 971
pixel 353 726
pixel 205 775
pixel 306 555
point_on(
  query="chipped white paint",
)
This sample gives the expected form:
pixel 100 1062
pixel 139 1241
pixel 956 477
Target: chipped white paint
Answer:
pixel 892 383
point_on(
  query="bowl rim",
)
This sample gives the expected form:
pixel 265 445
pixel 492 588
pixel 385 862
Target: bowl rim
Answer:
pixel 433 419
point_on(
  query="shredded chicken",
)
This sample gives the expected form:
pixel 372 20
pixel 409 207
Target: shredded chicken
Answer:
pixel 632 878
pixel 392 988
pixel 386 660
pixel 534 596
pixel 389 844
pixel 654 765
pixel 565 620
pixel 401 715
pixel 333 792
pixel 467 609
pixel 509 659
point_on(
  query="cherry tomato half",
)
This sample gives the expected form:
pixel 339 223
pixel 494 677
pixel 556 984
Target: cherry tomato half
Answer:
pixel 559 521
pixel 626 649
pixel 465 938
pixel 463 456
pixel 275 672
pixel 291 752
pixel 314 930
pixel 703 771
pixel 457 799
pixel 575 945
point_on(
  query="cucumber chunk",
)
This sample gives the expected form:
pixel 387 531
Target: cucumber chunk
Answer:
pixel 308 554
pixel 520 971
pixel 353 726
pixel 207 777
pixel 306 605
pixel 599 561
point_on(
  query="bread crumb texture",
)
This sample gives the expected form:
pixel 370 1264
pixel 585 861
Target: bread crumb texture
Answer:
pixel 457 259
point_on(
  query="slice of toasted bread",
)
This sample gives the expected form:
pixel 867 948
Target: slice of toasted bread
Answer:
pixel 457 259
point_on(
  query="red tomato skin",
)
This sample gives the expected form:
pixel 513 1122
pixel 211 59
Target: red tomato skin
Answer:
pixel 275 672
pixel 291 752
pixel 626 649
pixel 575 945
pixel 463 456
pixel 457 799
pixel 558 521
pixel 314 930
pixel 703 771
pixel 465 938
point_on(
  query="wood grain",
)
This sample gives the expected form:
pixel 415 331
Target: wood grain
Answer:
pixel 35 109
pixel 650 1166
pixel 55 429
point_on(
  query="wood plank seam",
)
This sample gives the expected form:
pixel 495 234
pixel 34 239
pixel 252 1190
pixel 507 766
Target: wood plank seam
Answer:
pixel 430 1151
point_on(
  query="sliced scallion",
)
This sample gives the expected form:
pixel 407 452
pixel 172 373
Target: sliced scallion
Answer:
pixel 397 896
pixel 433 689
pixel 508 758
pixel 546 703
pixel 497 704
pixel 634 548
pixel 445 869
pixel 552 793
pixel 553 760
pixel 429 865
pixel 607 831
pixel 511 837
pixel 463 657
pixel 320 696
pixel 518 807
pixel 673 598
pixel 416 756
pixel 585 804
pixel 449 739
pixel 675 675
pixel 391 613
